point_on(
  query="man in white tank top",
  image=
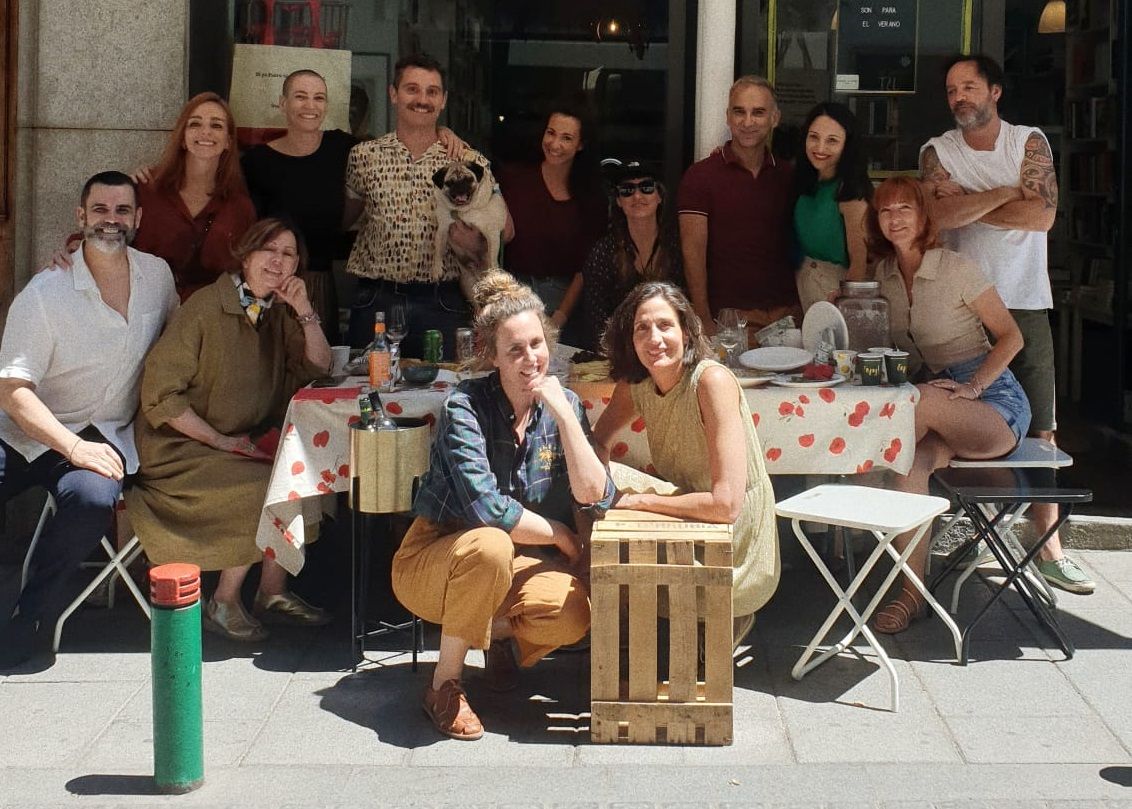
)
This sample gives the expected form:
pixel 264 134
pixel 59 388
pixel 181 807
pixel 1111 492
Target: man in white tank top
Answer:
pixel 993 188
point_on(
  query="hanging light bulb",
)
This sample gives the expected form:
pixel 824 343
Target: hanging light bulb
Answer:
pixel 1052 20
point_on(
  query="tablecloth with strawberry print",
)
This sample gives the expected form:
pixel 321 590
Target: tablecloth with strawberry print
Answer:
pixel 314 459
pixel 842 430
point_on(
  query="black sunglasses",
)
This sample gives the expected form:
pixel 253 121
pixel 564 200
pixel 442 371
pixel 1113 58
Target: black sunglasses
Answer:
pixel 646 187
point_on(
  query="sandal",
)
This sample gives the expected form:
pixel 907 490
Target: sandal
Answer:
pixel 896 615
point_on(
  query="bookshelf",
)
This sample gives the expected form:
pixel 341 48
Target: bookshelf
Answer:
pixel 1090 188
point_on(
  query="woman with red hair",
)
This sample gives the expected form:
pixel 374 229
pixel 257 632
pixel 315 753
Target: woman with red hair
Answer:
pixel 194 203
pixel 941 308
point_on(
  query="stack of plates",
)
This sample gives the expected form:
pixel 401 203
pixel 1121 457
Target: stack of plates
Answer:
pixel 775 358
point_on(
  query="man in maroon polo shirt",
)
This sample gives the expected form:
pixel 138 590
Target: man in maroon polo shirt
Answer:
pixel 735 208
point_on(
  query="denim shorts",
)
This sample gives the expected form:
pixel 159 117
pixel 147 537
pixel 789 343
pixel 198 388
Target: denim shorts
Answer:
pixel 1005 394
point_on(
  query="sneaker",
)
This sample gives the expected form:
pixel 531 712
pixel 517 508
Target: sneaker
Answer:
pixel 1066 574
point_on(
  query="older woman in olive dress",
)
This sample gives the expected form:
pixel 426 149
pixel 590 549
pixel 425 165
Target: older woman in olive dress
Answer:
pixel 219 378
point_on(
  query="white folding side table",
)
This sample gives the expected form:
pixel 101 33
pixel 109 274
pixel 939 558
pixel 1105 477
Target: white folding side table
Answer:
pixel 885 514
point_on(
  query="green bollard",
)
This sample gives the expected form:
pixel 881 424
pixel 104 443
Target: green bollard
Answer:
pixel 175 658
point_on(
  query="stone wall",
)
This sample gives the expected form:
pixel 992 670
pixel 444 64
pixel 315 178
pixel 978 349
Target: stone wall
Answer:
pixel 100 83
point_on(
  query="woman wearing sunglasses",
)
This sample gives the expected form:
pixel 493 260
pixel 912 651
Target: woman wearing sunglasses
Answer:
pixel 833 195
pixel 559 212
pixel 640 246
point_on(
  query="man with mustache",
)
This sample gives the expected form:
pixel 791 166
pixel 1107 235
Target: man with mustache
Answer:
pixel 993 191
pixel 70 366
pixel 389 184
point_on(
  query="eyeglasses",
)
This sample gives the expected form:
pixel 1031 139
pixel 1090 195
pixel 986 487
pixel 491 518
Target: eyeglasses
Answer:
pixel 646 187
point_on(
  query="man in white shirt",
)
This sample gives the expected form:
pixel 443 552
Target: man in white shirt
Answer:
pixel 963 170
pixel 70 366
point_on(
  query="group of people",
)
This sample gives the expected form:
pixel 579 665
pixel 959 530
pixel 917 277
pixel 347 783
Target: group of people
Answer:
pixel 225 306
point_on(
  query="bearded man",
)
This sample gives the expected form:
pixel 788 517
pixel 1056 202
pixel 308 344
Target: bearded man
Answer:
pixel 70 366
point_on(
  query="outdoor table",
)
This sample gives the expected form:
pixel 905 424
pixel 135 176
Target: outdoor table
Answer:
pixel 992 497
pixel 885 514
pixel 841 430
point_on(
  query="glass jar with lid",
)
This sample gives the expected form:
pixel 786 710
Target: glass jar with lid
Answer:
pixel 865 311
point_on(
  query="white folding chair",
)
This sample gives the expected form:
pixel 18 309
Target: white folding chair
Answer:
pixel 115 567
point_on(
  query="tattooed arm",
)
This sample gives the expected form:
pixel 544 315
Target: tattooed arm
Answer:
pixel 1038 206
pixel 950 210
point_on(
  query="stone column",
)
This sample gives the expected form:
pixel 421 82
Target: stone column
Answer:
pixel 715 72
pixel 100 84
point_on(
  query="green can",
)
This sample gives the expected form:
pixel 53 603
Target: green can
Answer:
pixel 433 346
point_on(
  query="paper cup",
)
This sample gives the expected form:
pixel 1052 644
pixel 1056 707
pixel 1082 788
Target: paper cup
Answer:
pixel 881 351
pixel 845 359
pixel 896 366
pixel 339 356
pixel 870 366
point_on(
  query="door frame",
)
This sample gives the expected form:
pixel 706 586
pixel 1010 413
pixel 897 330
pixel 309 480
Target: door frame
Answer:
pixel 8 95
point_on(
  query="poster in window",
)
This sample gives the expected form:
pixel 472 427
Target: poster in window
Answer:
pixel 876 46
pixel 257 82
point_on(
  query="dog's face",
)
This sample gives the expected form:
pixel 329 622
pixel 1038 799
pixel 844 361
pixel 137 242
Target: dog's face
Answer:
pixel 459 182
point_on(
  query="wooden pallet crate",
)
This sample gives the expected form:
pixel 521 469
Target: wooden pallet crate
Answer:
pixel 640 563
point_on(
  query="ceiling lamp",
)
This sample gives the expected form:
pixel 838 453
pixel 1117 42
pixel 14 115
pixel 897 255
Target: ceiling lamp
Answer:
pixel 1053 18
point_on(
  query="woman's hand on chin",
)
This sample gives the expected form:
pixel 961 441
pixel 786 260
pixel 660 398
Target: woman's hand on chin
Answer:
pixel 548 390
pixel 293 292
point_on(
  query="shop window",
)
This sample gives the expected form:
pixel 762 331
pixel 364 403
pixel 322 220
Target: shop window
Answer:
pixel 795 44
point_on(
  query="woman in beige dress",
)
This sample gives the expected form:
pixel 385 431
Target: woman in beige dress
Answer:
pixel 700 431
pixel 219 378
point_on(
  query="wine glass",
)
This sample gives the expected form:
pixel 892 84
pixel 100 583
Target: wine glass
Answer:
pixel 396 327
pixel 733 319
pixel 728 337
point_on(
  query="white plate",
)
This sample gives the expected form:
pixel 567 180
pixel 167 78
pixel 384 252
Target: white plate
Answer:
pixel 775 358
pixel 797 381
pixel 824 315
pixel 752 381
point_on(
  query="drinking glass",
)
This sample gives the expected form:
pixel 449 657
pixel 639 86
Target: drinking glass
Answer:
pixel 733 319
pixel 397 323
pixel 728 337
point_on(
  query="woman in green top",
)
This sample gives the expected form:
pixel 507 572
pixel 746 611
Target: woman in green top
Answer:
pixel 833 192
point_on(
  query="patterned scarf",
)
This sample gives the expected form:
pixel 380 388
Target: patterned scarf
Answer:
pixel 253 307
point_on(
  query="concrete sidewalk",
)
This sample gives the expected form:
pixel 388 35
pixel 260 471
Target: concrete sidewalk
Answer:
pixel 287 724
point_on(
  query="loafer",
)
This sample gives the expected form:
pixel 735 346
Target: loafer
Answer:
pixel 1066 574
pixel 450 712
pixel 501 672
pixel 289 608
pixel 233 622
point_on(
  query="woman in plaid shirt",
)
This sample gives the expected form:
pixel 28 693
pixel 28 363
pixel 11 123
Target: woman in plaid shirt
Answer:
pixel 491 556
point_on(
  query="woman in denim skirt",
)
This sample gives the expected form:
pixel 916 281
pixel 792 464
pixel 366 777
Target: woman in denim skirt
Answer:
pixel 941 308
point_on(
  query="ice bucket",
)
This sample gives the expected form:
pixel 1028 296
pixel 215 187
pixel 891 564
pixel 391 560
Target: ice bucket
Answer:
pixel 384 465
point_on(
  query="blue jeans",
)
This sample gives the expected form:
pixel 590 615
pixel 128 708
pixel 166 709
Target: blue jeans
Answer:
pixel 1005 394
pixel 85 503
pixel 429 306
pixel 551 290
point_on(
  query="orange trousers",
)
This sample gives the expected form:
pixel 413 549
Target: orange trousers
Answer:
pixel 465 579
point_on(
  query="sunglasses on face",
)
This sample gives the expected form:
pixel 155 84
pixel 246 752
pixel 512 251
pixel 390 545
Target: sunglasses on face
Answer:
pixel 646 187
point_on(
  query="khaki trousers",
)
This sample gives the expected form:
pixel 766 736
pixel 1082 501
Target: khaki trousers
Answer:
pixel 464 579
pixel 816 279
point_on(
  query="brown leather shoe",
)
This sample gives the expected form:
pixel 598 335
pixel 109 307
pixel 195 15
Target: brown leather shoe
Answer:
pixel 450 712
pixel 501 672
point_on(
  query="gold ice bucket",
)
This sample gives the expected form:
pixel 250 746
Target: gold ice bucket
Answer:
pixel 384 465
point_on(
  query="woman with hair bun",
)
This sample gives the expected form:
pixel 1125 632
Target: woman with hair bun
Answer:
pixel 491 555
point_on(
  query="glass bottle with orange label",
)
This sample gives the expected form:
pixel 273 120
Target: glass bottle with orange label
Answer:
pixel 379 356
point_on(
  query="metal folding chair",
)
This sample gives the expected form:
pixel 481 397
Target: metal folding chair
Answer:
pixel 115 566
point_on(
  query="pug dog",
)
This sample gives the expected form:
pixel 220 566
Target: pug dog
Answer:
pixel 461 194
